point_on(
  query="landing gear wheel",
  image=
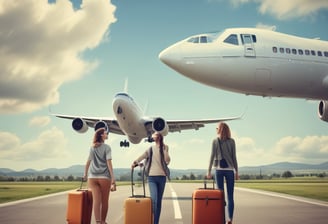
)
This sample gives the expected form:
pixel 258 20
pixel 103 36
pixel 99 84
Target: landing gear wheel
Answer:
pixel 125 143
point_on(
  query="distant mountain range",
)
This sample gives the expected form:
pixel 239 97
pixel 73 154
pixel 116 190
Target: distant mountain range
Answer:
pixel 285 166
pixel 77 170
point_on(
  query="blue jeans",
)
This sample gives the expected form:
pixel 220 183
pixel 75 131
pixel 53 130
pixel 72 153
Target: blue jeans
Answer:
pixel 156 187
pixel 229 176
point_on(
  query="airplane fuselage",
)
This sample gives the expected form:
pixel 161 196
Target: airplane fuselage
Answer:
pixel 254 62
pixel 129 117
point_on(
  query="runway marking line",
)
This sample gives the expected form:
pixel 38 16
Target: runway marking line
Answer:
pixel 290 197
pixel 176 206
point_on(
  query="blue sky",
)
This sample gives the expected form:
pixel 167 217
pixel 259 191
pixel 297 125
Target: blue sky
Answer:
pixel 73 59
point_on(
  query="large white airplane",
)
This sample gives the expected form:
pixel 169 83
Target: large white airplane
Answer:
pixel 255 62
pixel 130 121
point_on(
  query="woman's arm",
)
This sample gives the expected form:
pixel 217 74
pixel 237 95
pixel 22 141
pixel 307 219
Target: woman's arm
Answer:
pixel 86 169
pixel 234 159
pixel 167 157
pixel 209 170
pixel 110 168
pixel 140 158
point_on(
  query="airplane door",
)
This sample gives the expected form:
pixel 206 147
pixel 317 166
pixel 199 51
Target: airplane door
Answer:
pixel 249 45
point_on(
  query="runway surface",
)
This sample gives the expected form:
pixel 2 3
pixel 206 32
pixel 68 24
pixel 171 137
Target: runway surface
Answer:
pixel 250 207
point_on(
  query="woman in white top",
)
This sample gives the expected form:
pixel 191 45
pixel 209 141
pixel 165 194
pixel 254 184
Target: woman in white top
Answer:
pixel 99 171
pixel 157 173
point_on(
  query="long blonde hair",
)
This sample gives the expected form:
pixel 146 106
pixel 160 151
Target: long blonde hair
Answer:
pixel 97 138
pixel 224 131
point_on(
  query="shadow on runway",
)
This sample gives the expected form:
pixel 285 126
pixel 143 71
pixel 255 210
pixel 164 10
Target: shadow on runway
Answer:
pixel 178 198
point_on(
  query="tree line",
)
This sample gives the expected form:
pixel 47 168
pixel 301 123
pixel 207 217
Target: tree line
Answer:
pixel 190 176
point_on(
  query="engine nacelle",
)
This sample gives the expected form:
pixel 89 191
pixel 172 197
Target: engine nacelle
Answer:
pixel 79 125
pixel 323 110
pixel 160 125
pixel 101 124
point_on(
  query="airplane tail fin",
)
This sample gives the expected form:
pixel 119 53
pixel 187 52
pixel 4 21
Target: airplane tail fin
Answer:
pixel 145 108
pixel 126 85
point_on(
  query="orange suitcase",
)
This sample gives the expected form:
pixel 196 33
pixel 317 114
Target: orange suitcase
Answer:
pixel 79 206
pixel 138 208
pixel 208 206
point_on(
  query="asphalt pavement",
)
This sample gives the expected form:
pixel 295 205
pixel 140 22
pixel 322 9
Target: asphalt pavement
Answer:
pixel 251 207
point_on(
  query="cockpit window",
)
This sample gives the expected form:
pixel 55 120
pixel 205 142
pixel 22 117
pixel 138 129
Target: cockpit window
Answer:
pixel 203 38
pixel 193 40
pixel 232 39
pixel 198 39
pixel 248 38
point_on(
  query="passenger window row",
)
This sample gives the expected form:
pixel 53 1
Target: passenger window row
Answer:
pixel 299 51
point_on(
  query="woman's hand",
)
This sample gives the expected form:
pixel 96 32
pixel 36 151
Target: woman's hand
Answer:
pixel 236 176
pixel 134 164
pixel 113 186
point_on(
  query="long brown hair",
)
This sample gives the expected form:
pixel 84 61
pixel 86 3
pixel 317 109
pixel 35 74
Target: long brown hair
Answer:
pixel 97 138
pixel 224 131
pixel 161 140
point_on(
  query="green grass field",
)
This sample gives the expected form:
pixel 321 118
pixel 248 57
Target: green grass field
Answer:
pixel 315 188
pixel 12 191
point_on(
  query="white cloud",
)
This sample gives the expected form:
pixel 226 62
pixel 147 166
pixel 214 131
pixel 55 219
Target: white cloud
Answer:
pixel 309 148
pixel 283 9
pixel 41 121
pixel 50 144
pixel 41 46
pixel 8 141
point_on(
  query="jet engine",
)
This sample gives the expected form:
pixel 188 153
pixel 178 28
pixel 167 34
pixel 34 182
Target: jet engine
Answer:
pixel 79 125
pixel 160 125
pixel 101 124
pixel 323 110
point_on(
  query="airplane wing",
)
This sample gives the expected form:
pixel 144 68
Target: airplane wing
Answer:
pixel 179 125
pixel 91 121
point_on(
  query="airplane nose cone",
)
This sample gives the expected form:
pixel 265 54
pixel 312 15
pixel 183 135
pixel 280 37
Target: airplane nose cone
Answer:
pixel 164 56
pixel 170 56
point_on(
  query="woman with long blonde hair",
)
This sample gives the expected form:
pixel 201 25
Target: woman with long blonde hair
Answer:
pixel 223 156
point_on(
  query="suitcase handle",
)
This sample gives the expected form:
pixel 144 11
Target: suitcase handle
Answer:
pixel 143 182
pixel 82 179
pixel 205 183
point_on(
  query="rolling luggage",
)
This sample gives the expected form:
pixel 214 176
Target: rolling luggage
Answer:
pixel 79 206
pixel 138 208
pixel 208 206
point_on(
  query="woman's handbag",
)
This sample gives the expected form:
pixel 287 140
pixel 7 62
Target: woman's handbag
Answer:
pixel 223 163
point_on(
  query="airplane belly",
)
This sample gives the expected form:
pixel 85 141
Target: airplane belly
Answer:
pixel 262 80
pixel 298 79
pixel 131 127
pixel 129 120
